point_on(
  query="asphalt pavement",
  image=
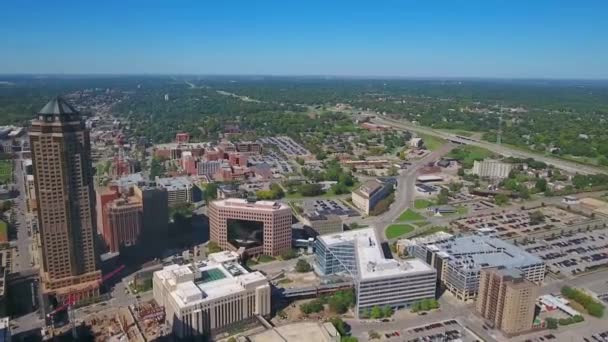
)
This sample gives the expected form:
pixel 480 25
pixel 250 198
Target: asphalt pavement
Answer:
pixel 22 260
pixel 405 192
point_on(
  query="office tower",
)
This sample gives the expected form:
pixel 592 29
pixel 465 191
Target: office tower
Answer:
pixel 155 216
pixel 65 200
pixel 262 227
pixel 507 299
pixel 122 222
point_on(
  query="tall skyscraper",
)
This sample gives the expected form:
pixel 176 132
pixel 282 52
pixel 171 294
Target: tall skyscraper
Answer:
pixel 66 204
pixel 507 299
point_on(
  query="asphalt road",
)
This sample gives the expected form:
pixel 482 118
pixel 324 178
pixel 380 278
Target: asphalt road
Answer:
pixel 500 149
pixel 22 259
pixel 405 192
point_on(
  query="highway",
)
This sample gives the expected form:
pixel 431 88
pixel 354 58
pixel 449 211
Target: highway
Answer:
pixel 499 149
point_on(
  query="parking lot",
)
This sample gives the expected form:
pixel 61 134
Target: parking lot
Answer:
pixel 449 330
pixel 599 337
pixel 518 224
pixel 547 337
pixel 327 207
pixel 277 162
pixel 572 253
pixel 287 145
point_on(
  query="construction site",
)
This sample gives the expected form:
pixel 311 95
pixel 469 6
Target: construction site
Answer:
pixel 138 323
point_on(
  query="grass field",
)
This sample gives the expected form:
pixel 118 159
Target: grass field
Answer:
pixel 422 223
pixel 422 203
pixel 396 230
pixel 6 171
pixel 266 258
pixel 468 154
pixel 3 231
pixel 410 215
pixel 462 210
pixel 458 132
pixel 431 142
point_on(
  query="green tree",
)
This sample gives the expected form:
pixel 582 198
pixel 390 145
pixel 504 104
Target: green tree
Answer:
pixel 541 185
pixel 387 311
pixel 501 199
pixel 156 168
pixel 551 323
pixel 373 335
pixel 536 217
pixel 443 196
pixel 311 189
pixel 341 301
pixel 289 254
pixel 302 266
pixel 312 307
pixel 340 325
pixel 339 189
pixel 376 312
pixel 210 192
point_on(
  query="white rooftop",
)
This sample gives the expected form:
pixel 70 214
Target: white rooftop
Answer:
pixel 175 183
pixel 370 257
pixel 220 276
pixel 258 205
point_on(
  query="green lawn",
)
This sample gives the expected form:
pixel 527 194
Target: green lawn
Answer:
pixel 6 171
pixel 410 215
pixel 396 230
pixel 266 258
pixel 422 203
pixel 457 132
pixel 431 142
pixel 468 154
pixel 422 223
pixel 462 210
pixel 3 231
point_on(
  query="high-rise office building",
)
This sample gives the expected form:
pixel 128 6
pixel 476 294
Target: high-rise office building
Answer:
pixel 262 227
pixel 155 215
pixel 507 299
pixel 65 200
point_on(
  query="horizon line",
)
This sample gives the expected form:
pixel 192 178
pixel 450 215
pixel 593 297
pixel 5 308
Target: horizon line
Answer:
pixel 312 76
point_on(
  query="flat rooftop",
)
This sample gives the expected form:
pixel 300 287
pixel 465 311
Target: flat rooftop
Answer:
pixel 247 204
pixel 474 252
pixel 175 183
pixel 369 188
pixel 370 257
pixel 221 275
pixel 129 180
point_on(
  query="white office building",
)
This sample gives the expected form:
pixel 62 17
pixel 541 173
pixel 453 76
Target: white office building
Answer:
pixel 492 169
pixel 205 296
pixel 379 281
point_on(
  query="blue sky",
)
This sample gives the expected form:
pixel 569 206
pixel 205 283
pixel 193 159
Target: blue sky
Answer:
pixel 424 38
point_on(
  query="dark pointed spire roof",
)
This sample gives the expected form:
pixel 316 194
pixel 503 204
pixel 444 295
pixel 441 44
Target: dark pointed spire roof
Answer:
pixel 58 106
